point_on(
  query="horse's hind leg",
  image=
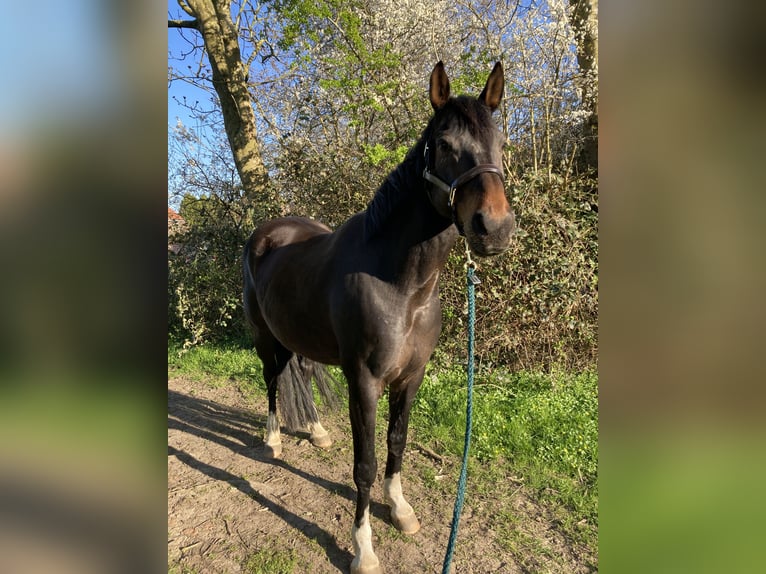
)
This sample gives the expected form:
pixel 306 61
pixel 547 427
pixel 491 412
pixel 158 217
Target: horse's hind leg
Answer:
pixel 400 402
pixel 275 359
pixel 289 376
pixel 318 436
pixel 273 439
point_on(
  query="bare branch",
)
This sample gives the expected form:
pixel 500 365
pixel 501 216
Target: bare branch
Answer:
pixel 183 24
pixel 186 8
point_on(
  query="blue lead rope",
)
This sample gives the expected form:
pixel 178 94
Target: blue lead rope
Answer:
pixel 472 281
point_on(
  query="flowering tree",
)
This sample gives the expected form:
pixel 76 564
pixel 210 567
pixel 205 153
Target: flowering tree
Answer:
pixel 227 75
pixel 349 101
pixel 584 19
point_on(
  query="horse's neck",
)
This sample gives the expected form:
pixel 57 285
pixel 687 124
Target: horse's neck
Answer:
pixel 411 236
pixel 426 259
pixel 422 239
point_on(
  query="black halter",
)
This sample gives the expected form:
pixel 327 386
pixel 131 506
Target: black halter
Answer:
pixel 451 188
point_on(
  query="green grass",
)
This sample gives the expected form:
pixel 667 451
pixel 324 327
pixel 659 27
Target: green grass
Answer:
pixel 219 364
pixel 544 426
pixel 272 561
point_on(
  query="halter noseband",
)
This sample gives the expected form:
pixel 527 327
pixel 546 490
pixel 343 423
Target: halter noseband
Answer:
pixel 451 188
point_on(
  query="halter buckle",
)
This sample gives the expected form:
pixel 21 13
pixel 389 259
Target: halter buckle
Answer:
pixel 451 189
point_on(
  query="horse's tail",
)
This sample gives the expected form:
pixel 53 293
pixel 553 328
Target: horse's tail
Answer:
pixel 296 395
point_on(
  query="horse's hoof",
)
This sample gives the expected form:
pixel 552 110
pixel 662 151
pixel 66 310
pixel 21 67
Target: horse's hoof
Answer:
pixel 321 441
pixel 273 450
pixel 371 569
pixel 408 524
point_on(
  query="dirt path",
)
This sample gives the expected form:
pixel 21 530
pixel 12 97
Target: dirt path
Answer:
pixel 227 502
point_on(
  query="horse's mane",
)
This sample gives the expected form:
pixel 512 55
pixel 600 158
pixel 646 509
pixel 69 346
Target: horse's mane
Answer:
pixel 393 191
pixel 399 183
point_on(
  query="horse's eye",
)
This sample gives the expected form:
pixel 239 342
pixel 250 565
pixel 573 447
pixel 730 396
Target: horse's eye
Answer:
pixel 444 146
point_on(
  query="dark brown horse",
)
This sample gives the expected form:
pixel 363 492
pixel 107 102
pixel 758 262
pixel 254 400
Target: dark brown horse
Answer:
pixel 366 296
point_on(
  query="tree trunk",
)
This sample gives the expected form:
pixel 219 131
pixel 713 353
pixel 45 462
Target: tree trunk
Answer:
pixel 584 21
pixel 213 21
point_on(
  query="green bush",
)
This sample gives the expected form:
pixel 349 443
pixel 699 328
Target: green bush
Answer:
pixel 537 305
pixel 205 284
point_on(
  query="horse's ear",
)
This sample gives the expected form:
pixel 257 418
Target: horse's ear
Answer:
pixel 438 86
pixel 493 91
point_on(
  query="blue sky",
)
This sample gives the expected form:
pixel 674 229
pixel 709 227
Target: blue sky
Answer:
pixel 177 89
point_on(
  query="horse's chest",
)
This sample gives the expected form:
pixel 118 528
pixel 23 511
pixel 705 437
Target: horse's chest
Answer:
pixel 405 340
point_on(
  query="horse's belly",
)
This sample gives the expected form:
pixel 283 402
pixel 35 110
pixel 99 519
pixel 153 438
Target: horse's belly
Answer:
pixel 314 346
pixel 300 327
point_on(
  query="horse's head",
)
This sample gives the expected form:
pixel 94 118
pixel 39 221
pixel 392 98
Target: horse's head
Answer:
pixel 464 163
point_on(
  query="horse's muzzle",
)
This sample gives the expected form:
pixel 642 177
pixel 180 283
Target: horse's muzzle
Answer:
pixel 488 235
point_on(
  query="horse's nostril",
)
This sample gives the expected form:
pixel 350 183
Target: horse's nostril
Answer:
pixel 477 224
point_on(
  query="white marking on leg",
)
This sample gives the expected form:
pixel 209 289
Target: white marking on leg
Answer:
pixel 364 556
pixel 402 514
pixel 273 438
pixel 319 436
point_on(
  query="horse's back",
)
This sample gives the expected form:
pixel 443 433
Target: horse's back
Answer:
pixel 283 231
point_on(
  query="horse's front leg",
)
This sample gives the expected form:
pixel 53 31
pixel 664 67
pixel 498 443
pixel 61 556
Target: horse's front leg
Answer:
pixel 363 400
pixel 400 402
